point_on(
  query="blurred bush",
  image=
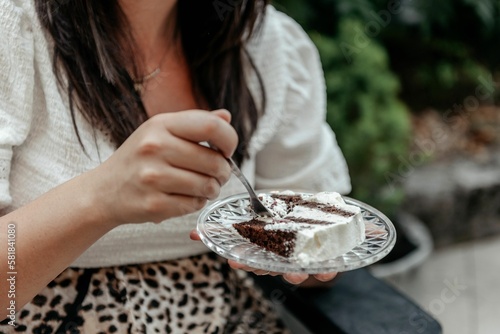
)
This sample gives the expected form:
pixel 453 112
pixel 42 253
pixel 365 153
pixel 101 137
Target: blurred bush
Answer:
pixel 377 54
pixel 439 49
pixel 371 124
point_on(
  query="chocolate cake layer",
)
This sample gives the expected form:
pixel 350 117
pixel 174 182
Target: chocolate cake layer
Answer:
pixel 305 227
pixel 279 242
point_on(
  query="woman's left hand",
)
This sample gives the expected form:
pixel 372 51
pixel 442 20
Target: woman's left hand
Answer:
pixel 292 278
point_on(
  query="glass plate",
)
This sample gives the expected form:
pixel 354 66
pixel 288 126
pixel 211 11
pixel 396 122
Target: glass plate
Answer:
pixel 216 232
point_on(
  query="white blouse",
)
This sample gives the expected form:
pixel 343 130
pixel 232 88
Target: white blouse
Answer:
pixel 292 147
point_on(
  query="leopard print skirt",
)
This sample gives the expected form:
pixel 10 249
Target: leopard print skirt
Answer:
pixel 200 294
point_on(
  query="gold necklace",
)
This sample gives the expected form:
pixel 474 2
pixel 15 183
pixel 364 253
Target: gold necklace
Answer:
pixel 139 83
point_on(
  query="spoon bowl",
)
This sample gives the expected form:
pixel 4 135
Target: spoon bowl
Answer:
pixel 257 207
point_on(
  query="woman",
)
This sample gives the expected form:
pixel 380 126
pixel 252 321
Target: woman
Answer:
pixel 102 107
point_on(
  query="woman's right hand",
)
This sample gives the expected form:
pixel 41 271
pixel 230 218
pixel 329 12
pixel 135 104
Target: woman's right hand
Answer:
pixel 161 170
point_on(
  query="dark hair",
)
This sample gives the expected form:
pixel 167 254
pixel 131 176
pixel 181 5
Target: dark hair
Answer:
pixel 89 62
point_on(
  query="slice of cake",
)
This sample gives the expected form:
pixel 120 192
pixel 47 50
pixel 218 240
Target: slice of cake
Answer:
pixel 306 227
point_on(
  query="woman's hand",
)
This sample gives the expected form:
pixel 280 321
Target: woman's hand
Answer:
pixel 161 171
pixel 293 278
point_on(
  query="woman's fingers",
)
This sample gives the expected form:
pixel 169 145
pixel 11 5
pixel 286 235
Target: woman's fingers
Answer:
pixel 177 181
pixel 184 205
pixel 158 206
pixel 199 126
pixel 295 278
pixel 236 265
pixel 224 114
pixel 260 272
pixel 197 158
pixel 325 277
pixel 194 235
pixel 161 171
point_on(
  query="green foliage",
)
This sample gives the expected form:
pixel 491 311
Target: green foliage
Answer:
pixel 430 55
pixel 438 49
pixel 371 124
pixel 440 53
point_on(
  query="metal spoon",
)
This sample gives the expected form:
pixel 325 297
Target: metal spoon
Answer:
pixel 255 202
pixel 257 206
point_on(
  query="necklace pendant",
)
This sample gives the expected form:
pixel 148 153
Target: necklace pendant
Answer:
pixel 138 87
pixel 139 84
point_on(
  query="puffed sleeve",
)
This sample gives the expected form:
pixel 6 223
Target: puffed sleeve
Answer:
pixel 303 153
pixel 16 88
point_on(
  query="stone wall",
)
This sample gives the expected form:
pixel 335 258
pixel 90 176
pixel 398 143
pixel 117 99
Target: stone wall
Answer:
pixel 458 200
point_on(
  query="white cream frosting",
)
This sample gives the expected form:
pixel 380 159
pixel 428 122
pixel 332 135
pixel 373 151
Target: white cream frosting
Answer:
pixel 277 206
pixel 319 242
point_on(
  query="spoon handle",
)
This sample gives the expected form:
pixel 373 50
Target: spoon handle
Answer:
pixel 257 205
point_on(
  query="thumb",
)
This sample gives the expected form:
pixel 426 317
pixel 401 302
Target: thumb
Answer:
pixel 224 114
